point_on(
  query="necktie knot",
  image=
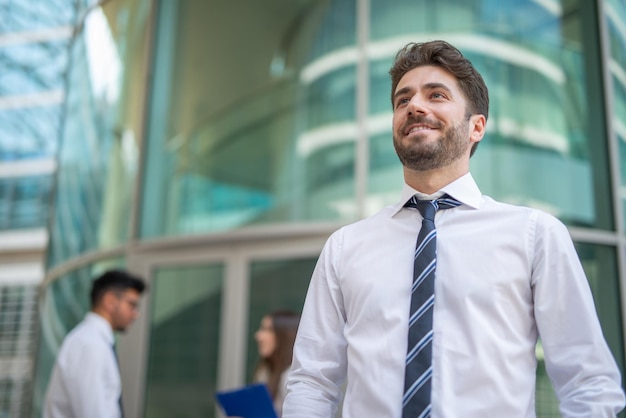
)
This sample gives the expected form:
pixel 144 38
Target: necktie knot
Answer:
pixel 428 208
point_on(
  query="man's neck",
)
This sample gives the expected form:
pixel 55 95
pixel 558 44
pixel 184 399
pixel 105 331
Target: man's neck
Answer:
pixel 103 314
pixel 431 181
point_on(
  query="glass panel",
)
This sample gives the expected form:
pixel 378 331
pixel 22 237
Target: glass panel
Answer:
pixel 18 313
pixel 31 94
pixel 275 285
pixel 615 12
pixel 99 154
pixel 42 65
pixel 265 136
pixel 546 402
pixel 63 305
pixel 7 392
pixel 184 341
pixel 600 264
pixel 29 132
pixel 544 146
pixel 33 61
pixel 18 16
pixel 25 202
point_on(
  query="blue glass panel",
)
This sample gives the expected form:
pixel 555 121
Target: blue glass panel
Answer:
pixel 25 202
pixel 31 15
pixel 29 132
pixel 27 68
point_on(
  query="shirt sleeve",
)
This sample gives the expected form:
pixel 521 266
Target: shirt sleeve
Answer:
pixel 579 363
pixel 92 382
pixel 319 361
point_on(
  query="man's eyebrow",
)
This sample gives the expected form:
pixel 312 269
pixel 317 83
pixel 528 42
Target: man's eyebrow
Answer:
pixel 401 92
pixel 427 86
pixel 435 86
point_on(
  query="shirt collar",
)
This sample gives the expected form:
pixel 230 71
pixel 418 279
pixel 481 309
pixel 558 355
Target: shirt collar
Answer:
pixel 102 325
pixel 464 189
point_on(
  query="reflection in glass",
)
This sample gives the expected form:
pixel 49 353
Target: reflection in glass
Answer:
pixel 233 125
pixel 99 154
pixel 184 341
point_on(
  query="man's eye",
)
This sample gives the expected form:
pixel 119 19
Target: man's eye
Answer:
pixel 438 96
pixel 402 101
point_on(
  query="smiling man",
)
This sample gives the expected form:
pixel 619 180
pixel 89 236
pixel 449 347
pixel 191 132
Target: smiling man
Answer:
pixel 85 381
pixel 434 305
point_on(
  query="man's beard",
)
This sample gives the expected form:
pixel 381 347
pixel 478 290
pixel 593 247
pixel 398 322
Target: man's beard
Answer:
pixel 448 148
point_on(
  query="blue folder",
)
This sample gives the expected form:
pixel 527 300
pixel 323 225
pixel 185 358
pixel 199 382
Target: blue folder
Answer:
pixel 252 401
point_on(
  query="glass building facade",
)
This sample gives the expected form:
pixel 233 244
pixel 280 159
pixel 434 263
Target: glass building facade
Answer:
pixel 34 37
pixel 213 147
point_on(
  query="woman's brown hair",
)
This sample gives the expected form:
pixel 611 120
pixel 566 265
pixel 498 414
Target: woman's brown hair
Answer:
pixel 285 326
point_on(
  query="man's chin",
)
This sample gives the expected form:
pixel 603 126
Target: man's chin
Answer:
pixel 419 163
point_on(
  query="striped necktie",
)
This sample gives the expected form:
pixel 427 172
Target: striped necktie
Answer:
pixel 418 371
pixel 119 401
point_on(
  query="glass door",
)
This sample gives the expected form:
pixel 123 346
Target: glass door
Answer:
pixel 275 285
pixel 195 335
pixel 183 349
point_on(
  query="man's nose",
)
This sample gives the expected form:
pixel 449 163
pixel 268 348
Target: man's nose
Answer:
pixel 417 105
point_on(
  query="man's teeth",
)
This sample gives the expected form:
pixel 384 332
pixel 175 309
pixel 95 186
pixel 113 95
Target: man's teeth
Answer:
pixel 419 128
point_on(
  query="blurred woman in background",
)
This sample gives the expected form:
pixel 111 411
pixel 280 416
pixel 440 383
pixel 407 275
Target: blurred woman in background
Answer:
pixel 275 339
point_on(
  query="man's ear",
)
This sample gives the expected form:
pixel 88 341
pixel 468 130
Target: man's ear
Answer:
pixel 477 127
pixel 108 301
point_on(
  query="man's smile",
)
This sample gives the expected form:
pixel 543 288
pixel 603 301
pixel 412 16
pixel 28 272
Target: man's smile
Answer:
pixel 416 128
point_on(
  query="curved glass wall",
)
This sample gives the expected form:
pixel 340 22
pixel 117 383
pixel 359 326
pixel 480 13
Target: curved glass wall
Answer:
pixel 98 158
pixel 243 134
pixel 235 126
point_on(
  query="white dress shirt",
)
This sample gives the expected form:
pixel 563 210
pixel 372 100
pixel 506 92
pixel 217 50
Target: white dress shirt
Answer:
pixel 506 275
pixel 85 381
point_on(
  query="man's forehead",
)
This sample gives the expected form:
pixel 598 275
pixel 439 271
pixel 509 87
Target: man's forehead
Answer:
pixel 132 292
pixel 127 292
pixel 428 76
